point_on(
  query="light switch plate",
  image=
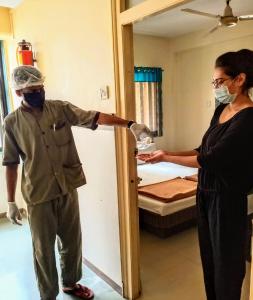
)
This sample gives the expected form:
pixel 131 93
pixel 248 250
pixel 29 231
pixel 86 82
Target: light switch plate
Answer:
pixel 104 93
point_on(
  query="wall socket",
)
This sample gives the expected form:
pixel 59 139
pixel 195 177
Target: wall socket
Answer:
pixel 104 92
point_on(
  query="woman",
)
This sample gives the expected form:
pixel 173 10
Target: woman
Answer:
pixel 225 162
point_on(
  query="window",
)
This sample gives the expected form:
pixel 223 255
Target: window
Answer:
pixel 148 94
pixel 3 94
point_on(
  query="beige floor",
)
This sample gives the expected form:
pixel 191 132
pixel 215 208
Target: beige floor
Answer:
pixel 17 277
pixel 171 268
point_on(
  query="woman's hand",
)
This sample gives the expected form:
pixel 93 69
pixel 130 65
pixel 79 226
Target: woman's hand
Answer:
pixel 154 157
pixel 160 155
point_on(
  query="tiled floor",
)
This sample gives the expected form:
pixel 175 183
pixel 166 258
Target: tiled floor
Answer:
pixel 170 268
pixel 17 278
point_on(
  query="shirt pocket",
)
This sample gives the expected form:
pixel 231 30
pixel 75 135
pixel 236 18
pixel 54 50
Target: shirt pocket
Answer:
pixel 74 175
pixel 61 133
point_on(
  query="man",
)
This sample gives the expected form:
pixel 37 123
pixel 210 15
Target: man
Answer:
pixel 40 133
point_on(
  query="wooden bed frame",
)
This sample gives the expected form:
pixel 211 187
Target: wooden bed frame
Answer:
pixel 165 226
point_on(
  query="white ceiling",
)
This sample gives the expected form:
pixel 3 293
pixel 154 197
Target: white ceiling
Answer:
pixel 175 22
pixel 10 3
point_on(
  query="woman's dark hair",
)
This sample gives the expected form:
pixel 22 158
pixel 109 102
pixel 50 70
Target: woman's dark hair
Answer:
pixel 234 63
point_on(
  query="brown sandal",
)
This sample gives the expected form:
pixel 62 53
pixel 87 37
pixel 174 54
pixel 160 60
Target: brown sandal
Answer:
pixel 80 291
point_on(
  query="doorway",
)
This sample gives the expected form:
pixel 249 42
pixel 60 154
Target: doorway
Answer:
pixel 127 21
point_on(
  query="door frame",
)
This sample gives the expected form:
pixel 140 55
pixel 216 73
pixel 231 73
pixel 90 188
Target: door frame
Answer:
pixel 122 28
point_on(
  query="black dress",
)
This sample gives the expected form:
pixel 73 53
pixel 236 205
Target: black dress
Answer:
pixel 225 178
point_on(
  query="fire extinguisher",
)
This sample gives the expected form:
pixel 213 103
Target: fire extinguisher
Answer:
pixel 25 53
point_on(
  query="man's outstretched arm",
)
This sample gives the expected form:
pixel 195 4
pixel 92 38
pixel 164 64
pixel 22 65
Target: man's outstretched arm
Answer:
pixel 112 120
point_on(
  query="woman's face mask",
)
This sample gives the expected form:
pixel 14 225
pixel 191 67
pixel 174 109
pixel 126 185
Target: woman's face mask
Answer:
pixel 35 98
pixel 225 87
pixel 223 95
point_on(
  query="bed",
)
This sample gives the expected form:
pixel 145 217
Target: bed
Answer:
pixel 164 219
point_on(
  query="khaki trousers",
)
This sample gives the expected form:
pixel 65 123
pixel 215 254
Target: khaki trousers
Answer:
pixel 56 219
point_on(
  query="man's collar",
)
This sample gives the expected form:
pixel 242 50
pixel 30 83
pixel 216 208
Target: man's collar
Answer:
pixel 27 108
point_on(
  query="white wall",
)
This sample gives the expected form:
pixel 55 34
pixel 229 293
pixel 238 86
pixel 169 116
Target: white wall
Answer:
pixel 73 41
pixel 5 22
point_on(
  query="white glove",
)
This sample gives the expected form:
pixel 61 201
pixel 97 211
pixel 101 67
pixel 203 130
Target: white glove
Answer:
pixel 13 213
pixel 141 132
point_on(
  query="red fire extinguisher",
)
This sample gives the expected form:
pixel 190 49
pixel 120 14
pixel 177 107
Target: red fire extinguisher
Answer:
pixel 25 53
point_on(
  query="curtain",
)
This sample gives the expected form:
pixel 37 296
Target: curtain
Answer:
pixel 146 74
pixel 148 94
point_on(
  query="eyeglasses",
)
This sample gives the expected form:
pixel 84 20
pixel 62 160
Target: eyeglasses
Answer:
pixel 218 82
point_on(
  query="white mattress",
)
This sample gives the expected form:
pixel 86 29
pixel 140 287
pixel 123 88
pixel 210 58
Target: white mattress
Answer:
pixel 165 171
pixel 154 173
pixel 165 209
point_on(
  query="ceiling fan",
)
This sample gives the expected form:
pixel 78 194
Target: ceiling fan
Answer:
pixel 228 19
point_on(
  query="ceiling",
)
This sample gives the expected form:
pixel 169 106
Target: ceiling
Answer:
pixel 10 3
pixel 175 22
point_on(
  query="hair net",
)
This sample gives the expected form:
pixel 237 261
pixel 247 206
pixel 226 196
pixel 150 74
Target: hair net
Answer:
pixel 26 76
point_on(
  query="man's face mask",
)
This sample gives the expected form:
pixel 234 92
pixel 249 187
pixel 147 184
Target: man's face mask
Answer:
pixel 35 98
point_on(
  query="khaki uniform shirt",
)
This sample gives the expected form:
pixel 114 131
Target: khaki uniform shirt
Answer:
pixel 51 166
